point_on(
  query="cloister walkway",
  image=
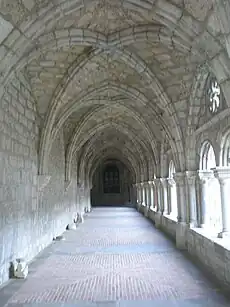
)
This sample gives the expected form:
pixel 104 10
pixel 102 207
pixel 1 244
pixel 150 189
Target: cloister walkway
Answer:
pixel 116 258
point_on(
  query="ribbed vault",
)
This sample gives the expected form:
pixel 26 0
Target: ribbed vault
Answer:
pixel 116 77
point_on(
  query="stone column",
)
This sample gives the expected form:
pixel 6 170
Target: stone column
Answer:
pixel 171 183
pixel 223 175
pixel 146 193
pixel 205 177
pixel 181 197
pixel 151 193
pixel 182 227
pixel 158 194
pixel 191 177
pixel 142 193
pixel 158 203
pixel 164 208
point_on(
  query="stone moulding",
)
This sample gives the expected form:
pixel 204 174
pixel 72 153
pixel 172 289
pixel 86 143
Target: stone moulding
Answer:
pixel 43 181
pixel 67 184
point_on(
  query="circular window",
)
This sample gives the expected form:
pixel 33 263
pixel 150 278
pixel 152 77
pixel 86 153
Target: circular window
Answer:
pixel 214 95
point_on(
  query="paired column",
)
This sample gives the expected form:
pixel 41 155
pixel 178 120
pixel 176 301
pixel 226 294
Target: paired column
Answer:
pixel 223 175
pixel 171 184
pixel 158 197
pixel 191 177
pixel 204 179
pixel 142 193
pixel 165 207
pixel 151 194
pixel 181 197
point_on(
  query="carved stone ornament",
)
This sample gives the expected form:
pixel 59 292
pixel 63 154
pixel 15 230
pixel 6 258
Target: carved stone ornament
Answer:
pixel 21 269
pixel 213 95
pixel 43 180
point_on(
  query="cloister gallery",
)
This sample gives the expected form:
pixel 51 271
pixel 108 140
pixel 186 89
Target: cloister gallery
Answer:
pixel 111 103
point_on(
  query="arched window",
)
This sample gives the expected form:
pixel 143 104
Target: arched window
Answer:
pixel 226 150
pixel 173 193
pixel 111 180
pixel 207 163
pixel 208 159
pixel 214 96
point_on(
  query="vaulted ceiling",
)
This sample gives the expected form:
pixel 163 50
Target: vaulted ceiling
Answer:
pixel 116 75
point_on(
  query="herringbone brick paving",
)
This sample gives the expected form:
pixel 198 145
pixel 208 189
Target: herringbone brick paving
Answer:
pixel 116 258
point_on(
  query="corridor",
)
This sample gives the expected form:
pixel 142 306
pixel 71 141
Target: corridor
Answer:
pixel 116 258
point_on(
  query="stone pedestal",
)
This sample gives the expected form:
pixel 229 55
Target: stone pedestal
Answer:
pixel 158 217
pixel 21 269
pixel 181 235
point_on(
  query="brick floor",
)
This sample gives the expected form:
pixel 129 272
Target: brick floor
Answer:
pixel 116 258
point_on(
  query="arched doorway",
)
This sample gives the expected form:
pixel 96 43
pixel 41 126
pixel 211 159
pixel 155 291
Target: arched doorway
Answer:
pixel 111 184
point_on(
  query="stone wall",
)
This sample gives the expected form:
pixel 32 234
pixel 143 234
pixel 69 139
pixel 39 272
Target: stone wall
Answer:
pixel 18 176
pixel 29 219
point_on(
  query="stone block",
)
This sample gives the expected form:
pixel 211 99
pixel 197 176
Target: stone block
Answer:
pixel 21 269
pixel 71 226
pixel 181 236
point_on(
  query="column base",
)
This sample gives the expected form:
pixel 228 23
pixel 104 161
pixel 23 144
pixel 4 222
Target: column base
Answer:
pixel 181 235
pixel 193 225
pixel 224 234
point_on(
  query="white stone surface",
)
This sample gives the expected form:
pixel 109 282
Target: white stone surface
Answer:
pixel 21 269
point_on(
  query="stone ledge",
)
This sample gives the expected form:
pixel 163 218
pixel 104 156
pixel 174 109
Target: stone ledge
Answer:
pixel 170 218
pixel 221 242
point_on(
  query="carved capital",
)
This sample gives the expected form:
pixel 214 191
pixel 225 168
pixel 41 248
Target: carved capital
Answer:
pixel 164 182
pixel 205 176
pixel 43 180
pixel 171 182
pixel 222 174
pixel 151 183
pixel 191 177
pixel 179 178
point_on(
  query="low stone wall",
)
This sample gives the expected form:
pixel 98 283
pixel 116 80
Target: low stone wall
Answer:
pixel 211 252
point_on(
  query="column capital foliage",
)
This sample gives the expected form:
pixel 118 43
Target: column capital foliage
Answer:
pixel 179 178
pixel 191 177
pixel 222 173
pixel 205 175
pixel 164 181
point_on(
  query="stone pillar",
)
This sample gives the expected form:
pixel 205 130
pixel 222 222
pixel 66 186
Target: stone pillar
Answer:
pixel 139 196
pixel 223 175
pixel 164 208
pixel 158 194
pixel 87 199
pixel 171 183
pixel 151 194
pixel 142 193
pixel 182 227
pixel 158 203
pixel 146 209
pixel 205 177
pixel 191 177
